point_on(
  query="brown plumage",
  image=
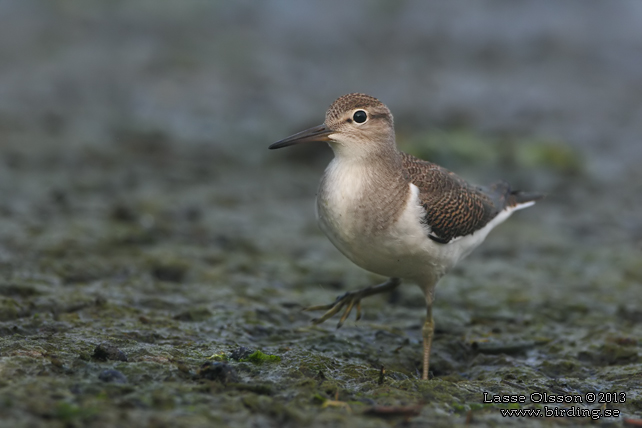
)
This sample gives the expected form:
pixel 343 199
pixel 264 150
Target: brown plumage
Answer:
pixel 454 207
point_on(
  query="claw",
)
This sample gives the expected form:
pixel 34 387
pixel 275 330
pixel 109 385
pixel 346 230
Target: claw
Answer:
pixel 332 310
pixel 346 313
pixel 350 300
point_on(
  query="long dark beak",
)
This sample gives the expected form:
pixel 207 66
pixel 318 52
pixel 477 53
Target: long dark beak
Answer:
pixel 318 133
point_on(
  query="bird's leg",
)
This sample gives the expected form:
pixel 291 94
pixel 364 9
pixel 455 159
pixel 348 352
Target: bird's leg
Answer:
pixel 351 299
pixel 428 331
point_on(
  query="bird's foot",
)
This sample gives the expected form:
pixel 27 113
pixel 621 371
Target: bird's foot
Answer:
pixel 350 300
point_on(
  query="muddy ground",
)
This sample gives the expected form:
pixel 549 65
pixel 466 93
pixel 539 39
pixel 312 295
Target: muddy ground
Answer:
pixel 150 244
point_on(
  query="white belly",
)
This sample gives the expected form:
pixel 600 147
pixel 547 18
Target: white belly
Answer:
pixel 401 250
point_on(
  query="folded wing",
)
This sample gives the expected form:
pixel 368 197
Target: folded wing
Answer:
pixel 455 208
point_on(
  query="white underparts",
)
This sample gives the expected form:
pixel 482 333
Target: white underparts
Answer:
pixel 403 249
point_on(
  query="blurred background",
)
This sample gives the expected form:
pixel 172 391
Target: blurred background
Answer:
pixel 224 80
pixel 134 170
pixel 235 76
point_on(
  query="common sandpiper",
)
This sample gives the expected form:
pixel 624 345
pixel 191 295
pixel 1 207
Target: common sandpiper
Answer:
pixel 392 213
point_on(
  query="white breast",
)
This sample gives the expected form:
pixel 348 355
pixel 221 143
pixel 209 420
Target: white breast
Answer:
pixel 341 213
pixel 401 250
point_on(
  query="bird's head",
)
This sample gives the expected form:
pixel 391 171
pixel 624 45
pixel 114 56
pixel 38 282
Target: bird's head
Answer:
pixel 356 125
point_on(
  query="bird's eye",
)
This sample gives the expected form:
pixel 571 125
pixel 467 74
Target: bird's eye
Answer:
pixel 360 116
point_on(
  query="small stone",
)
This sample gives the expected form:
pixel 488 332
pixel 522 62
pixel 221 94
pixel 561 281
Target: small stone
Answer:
pixel 221 372
pixel 106 351
pixel 241 352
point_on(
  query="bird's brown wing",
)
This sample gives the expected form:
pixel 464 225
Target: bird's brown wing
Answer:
pixel 454 208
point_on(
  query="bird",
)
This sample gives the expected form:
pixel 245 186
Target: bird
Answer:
pixel 393 214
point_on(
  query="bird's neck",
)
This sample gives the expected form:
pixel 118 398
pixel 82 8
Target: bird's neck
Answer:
pixel 383 160
pixel 370 189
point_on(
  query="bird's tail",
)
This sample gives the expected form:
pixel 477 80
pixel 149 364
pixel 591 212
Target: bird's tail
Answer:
pixel 520 199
